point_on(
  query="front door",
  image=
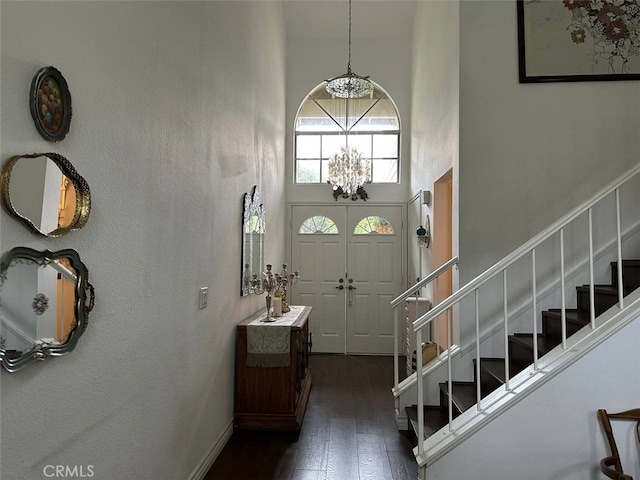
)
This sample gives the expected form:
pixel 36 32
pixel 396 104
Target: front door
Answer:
pixel 350 262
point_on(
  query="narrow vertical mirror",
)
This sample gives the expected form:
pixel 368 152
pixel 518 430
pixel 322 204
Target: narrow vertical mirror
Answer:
pixel 253 231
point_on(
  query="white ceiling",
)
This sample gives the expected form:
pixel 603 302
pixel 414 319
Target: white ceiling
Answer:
pixel 329 18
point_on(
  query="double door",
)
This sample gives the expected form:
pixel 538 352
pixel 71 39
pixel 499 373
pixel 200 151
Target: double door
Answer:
pixel 350 261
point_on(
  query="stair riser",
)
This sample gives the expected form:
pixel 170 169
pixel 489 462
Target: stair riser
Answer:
pixel 630 274
pixel 552 327
pixel 519 357
pixel 444 402
pixel 488 383
pixel 602 301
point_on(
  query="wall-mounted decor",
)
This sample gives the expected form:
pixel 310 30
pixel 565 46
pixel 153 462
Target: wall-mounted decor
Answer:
pixel 253 231
pixel 578 40
pixel 50 104
pixel 46 298
pixel 424 233
pixel 45 192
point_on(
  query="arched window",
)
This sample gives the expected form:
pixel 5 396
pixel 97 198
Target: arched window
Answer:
pixel 324 123
pixel 373 226
pixel 318 224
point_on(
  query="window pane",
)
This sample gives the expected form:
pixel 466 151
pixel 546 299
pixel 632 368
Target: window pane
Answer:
pixel 318 225
pixel 362 143
pixel 331 144
pixel 308 146
pixel 322 122
pixel 312 118
pixel 325 171
pixel 385 146
pixel 373 225
pixel 384 171
pixel 308 171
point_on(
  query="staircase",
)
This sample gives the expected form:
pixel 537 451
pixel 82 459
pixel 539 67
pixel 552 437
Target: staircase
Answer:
pixel 521 350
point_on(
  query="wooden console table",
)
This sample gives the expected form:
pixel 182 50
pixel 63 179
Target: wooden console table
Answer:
pixel 274 398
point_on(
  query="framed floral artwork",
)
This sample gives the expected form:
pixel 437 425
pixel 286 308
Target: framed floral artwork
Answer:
pixel 578 40
pixel 50 104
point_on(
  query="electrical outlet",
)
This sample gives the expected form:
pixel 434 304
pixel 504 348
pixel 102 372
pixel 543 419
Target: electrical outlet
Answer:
pixel 204 297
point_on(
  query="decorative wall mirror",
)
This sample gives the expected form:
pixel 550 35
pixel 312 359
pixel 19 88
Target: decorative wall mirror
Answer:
pixel 45 300
pixel 45 192
pixel 253 231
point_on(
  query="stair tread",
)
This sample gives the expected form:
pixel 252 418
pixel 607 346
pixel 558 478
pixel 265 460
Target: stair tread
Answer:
pixel 434 419
pixel 572 315
pixel 604 289
pixel 545 344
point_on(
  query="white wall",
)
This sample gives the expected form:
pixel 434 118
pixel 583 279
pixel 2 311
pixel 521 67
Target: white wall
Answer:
pixel 435 106
pixel 178 110
pixel 529 152
pixel 553 433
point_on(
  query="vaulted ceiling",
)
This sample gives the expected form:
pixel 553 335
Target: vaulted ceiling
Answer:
pixel 328 18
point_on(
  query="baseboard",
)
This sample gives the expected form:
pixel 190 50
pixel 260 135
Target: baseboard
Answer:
pixel 401 421
pixel 203 467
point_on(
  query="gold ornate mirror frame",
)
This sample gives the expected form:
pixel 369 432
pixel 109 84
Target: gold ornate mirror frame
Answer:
pixel 32 185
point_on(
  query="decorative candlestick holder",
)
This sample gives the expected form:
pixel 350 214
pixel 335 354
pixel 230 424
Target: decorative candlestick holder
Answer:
pixel 285 280
pixel 265 285
pixel 275 285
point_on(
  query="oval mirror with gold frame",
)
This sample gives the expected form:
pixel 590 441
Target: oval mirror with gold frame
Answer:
pixel 45 300
pixel 45 192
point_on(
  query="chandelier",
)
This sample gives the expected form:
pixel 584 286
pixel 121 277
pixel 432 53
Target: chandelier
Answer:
pixel 349 85
pixel 348 172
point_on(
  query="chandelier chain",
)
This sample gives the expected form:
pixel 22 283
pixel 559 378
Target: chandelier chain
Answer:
pixel 349 60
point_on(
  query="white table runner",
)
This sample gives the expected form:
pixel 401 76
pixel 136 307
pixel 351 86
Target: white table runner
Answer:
pixel 268 342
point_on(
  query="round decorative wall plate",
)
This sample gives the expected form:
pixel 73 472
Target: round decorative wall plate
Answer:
pixel 50 103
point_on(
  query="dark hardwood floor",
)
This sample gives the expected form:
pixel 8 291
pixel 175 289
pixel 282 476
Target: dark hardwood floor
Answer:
pixel 348 433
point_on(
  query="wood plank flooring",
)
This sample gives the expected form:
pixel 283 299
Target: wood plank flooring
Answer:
pixel 348 433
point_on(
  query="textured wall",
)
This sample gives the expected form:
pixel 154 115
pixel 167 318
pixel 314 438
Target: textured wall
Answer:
pixel 529 153
pixel 178 110
pixel 435 118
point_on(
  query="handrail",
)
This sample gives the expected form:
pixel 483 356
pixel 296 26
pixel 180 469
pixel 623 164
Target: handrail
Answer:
pixel 500 269
pixel 522 250
pixel 411 291
pixel 426 280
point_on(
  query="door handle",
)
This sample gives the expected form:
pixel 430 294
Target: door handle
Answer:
pixel 340 287
pixel 351 288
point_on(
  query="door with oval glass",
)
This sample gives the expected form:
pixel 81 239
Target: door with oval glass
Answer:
pixel 350 262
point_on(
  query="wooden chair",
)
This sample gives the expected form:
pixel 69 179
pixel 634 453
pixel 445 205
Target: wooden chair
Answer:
pixel 611 466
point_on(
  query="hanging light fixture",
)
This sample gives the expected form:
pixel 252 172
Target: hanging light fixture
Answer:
pixel 349 85
pixel 348 171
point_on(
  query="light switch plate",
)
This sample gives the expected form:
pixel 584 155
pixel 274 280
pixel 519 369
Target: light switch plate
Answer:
pixel 204 297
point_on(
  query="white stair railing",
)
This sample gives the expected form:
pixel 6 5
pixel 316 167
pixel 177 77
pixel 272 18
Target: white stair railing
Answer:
pixel 401 300
pixel 500 269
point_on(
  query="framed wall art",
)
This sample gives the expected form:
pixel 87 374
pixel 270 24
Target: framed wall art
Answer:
pixel 578 40
pixel 50 104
